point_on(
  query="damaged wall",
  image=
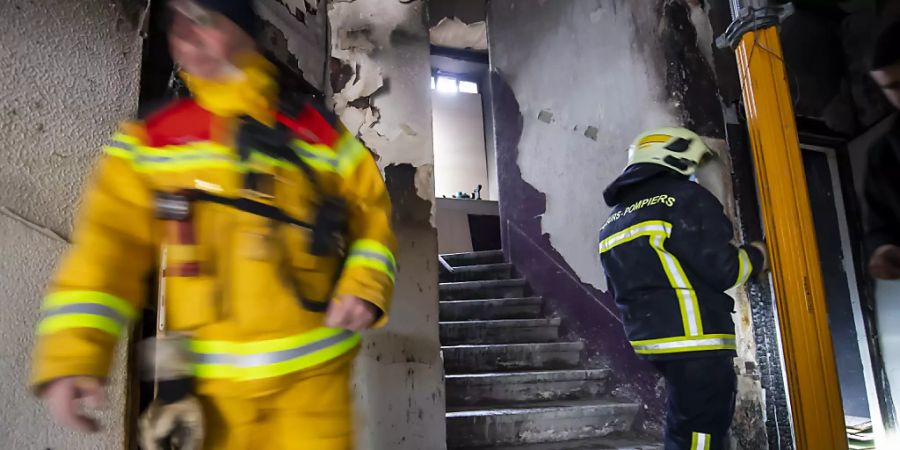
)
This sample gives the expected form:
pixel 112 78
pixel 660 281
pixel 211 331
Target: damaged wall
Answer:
pixel 380 77
pixel 295 32
pixel 71 72
pixel 561 138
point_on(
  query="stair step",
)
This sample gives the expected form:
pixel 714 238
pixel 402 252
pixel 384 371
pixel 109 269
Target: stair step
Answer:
pixel 511 357
pixel 538 422
pixel 474 258
pixel 493 308
pixel 500 271
pixel 474 290
pixel 499 388
pixel 499 331
pixel 617 443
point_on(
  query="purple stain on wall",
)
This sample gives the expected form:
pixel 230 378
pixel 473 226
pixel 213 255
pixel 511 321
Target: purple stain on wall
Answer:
pixel 588 314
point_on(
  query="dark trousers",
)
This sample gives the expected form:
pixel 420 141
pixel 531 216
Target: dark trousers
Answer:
pixel 701 401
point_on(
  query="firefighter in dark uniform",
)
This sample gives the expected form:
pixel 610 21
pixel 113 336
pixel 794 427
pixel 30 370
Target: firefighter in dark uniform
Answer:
pixel 667 252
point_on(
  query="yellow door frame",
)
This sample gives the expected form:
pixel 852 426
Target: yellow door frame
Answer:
pixel 812 382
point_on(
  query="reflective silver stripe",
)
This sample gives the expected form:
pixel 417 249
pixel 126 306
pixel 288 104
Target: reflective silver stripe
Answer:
pixel 376 256
pixel 745 268
pixel 88 308
pixel 683 289
pixel 639 230
pixel 121 145
pixel 263 359
pixel 686 344
pixel 700 441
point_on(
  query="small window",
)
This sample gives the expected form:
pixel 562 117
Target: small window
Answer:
pixel 447 85
pixel 468 87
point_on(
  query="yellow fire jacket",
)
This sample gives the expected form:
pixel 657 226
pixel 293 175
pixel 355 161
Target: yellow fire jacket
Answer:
pixel 247 309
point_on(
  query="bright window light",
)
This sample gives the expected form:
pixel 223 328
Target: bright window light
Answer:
pixel 432 83
pixel 468 87
pixel 447 85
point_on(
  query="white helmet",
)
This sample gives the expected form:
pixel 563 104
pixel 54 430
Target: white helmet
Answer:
pixel 679 149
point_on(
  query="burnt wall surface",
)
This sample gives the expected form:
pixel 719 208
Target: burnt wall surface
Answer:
pixel 380 83
pixel 574 81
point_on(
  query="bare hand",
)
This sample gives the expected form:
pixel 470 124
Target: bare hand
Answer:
pixel 350 313
pixel 885 262
pixel 66 396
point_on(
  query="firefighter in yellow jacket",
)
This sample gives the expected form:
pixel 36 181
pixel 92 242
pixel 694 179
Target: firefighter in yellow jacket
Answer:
pixel 272 224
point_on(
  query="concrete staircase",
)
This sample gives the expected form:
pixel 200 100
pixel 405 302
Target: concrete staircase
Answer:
pixel 512 383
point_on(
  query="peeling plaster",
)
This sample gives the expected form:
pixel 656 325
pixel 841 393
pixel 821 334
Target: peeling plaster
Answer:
pixel 454 33
pixel 705 35
pixel 380 79
pixel 304 33
pixel 375 50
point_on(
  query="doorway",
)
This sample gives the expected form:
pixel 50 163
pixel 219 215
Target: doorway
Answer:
pixel 841 276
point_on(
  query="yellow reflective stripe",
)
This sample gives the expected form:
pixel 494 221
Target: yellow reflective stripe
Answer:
pixel 658 231
pixel 371 245
pixel 654 139
pixel 297 364
pixel 687 297
pixel 362 261
pixel 700 441
pixel 745 268
pixel 243 361
pixel 64 298
pixel 270 345
pixel 350 153
pixel 266 160
pixel 68 321
pixel 125 138
pixel 649 228
pixel 318 156
pixel 118 152
pixel 683 344
pixel 373 255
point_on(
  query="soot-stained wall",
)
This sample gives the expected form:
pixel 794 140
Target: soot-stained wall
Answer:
pixel 380 80
pixel 574 81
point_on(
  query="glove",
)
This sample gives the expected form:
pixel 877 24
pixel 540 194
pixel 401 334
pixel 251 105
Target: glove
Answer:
pixel 172 426
pixel 174 420
pixel 765 268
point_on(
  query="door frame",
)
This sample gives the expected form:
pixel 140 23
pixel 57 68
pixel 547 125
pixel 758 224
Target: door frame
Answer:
pixel 853 271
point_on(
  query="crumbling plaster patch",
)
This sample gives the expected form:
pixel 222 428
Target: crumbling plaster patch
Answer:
pixel 380 77
pixel 378 47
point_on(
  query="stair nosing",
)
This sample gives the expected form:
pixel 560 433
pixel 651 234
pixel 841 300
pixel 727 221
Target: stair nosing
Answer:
pixel 525 373
pixel 517 344
pixel 515 282
pixel 482 267
pixel 534 408
pixel 502 299
pixel 478 253
pixel 511 323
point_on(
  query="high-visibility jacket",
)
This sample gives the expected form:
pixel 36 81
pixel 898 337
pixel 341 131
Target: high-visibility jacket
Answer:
pixel 666 249
pixel 247 311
